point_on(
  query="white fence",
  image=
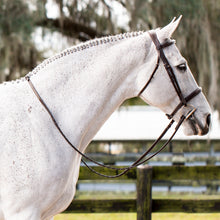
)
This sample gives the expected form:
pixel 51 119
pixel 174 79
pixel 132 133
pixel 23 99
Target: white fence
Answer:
pixel 146 123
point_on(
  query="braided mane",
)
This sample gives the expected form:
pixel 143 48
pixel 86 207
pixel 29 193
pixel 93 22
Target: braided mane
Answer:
pixel 80 47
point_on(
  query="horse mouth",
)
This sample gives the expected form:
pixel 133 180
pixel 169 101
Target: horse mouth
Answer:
pixel 197 127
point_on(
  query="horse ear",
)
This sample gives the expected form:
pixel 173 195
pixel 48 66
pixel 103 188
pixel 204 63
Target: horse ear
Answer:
pixel 168 30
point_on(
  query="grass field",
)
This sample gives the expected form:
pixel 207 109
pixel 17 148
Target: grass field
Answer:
pixel 132 216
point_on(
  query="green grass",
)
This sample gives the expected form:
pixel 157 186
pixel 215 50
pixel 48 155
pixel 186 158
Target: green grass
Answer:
pixel 133 216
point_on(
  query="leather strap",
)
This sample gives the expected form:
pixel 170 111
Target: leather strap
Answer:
pixel 167 65
pixel 187 98
pixel 151 77
pixel 161 55
pixel 141 160
pixel 138 162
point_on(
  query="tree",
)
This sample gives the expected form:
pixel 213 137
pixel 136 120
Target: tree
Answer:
pixel 17 53
pixel 81 20
pixel 197 37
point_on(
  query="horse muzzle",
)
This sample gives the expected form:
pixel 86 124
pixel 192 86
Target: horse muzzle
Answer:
pixel 196 126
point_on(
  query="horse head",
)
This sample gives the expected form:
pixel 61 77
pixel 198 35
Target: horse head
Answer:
pixel 172 87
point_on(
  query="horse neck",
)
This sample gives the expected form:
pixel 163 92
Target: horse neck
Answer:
pixel 82 90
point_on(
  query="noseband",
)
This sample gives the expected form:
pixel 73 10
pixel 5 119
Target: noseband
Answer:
pixel 140 160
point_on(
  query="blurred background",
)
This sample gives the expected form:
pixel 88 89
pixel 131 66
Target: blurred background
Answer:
pixel 33 30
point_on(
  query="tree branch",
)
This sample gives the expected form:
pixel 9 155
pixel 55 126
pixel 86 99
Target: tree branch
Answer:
pixel 71 28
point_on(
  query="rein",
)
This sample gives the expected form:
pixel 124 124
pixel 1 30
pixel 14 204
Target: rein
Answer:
pixel 141 160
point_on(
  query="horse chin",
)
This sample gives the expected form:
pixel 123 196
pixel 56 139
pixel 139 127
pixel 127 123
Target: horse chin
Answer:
pixel 193 127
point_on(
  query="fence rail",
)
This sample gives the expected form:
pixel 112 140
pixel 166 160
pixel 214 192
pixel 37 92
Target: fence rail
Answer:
pixel 158 205
pixel 144 205
pixel 160 173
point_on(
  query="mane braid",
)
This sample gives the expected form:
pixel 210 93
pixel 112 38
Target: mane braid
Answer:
pixel 80 47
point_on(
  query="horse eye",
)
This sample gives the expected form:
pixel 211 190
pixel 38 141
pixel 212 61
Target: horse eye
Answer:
pixel 182 67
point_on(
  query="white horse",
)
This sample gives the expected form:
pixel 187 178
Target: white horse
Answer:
pixel 82 86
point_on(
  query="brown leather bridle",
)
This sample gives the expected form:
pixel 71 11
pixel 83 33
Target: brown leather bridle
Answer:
pixel 170 72
pixel 183 102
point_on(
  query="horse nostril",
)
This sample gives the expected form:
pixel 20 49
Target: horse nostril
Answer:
pixel 208 119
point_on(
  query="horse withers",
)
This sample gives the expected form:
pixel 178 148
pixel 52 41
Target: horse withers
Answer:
pixel 82 86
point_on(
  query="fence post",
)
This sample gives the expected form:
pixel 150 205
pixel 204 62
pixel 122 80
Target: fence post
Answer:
pixel 144 192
